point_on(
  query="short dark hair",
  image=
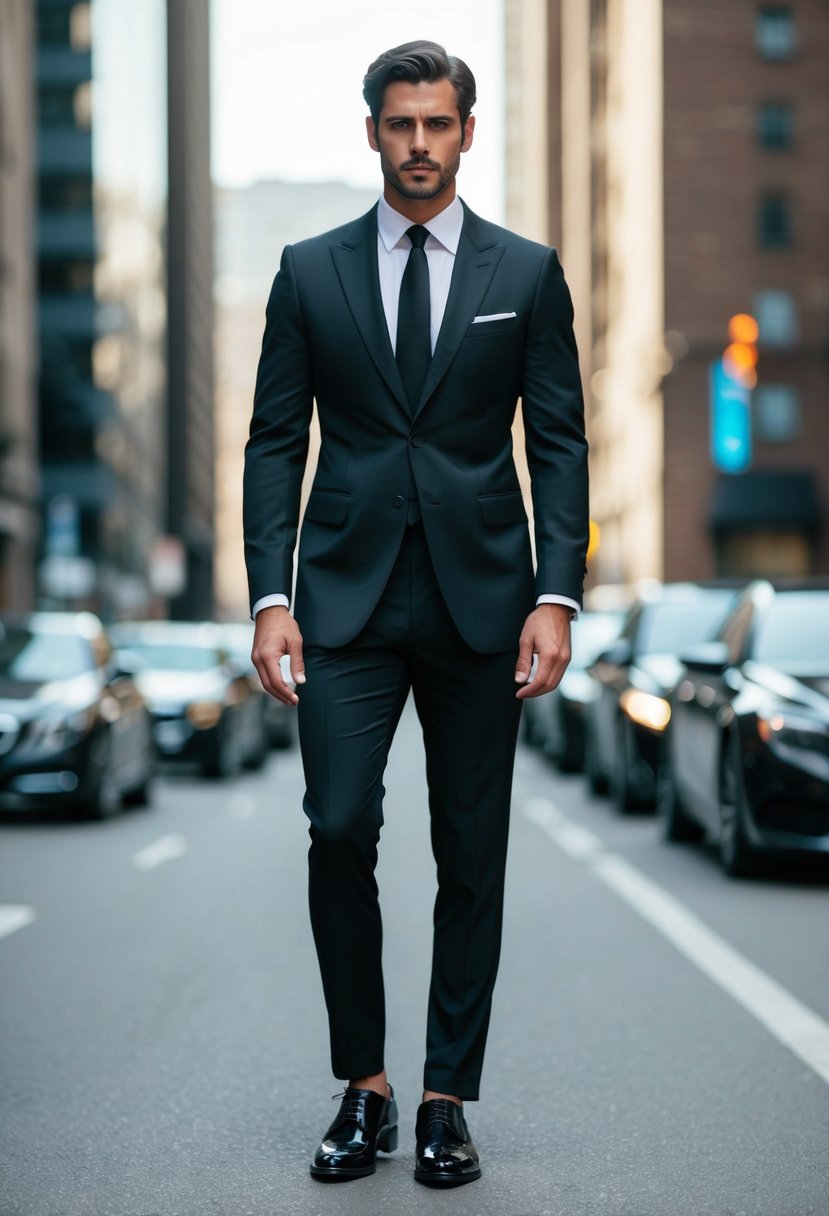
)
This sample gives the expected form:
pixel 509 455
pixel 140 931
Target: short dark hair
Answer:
pixel 416 61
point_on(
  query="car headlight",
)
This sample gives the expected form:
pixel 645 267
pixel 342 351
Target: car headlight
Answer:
pixel 794 731
pixel 55 729
pixel 645 709
pixel 204 714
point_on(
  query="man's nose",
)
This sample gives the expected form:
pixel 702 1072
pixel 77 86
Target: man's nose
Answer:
pixel 420 142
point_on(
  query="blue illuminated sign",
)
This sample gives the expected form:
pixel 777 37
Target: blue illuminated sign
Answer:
pixel 730 421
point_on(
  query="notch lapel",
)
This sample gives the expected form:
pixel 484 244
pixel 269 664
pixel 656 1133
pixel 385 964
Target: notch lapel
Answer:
pixel 355 261
pixel 479 253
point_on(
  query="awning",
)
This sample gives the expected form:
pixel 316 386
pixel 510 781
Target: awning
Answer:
pixel 765 499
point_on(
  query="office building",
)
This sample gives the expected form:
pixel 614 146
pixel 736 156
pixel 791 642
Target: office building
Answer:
pixel 687 153
pixel 19 516
pixel 124 246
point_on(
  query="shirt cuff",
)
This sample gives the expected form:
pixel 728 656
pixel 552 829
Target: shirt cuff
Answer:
pixel 560 599
pixel 270 601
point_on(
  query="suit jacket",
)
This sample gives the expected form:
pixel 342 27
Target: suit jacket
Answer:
pixel 326 338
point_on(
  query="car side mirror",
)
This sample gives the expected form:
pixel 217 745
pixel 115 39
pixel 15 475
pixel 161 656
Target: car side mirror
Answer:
pixel 708 658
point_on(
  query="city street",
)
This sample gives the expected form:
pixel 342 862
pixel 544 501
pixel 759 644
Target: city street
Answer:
pixel 659 1043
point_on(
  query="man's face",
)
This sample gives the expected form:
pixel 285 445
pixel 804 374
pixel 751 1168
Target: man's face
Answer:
pixel 419 136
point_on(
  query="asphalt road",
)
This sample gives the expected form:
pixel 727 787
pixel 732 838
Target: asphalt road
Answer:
pixel 659 1044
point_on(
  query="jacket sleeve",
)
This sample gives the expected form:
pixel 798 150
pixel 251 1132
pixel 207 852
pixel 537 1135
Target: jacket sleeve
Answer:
pixel 277 448
pixel 553 410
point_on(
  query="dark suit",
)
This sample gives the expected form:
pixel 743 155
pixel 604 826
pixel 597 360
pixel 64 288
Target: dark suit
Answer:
pixel 437 607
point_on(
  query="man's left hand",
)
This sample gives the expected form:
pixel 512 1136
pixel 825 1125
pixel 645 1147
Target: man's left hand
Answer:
pixel 546 634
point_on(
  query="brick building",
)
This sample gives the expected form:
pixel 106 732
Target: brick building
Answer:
pixel 686 153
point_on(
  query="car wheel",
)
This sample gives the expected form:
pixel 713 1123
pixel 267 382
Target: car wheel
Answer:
pixel 622 789
pixel 596 779
pixel 737 854
pixel 140 795
pixel 225 761
pixel 675 822
pixel 104 797
pixel 256 758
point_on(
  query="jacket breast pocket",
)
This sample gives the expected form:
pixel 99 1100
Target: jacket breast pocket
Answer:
pixel 327 507
pixel 492 329
pixel 499 510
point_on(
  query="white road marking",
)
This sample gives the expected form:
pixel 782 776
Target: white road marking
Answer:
pixel 14 917
pixel 242 805
pixel 166 848
pixel 790 1021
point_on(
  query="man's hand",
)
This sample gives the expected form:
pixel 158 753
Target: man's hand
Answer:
pixel 277 634
pixel 546 634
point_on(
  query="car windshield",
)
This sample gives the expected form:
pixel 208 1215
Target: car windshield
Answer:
pixel 173 656
pixel 590 634
pixel 31 657
pixel 795 631
pixel 669 627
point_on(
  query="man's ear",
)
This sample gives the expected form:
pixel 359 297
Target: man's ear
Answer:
pixel 371 132
pixel 468 132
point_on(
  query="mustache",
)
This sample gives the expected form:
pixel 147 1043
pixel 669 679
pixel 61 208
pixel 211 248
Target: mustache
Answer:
pixel 420 162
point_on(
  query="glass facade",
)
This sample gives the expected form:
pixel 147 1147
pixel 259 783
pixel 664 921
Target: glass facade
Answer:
pixel 102 217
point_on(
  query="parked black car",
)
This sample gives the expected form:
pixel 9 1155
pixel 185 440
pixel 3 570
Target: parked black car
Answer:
pixel 75 732
pixel 277 719
pixel 555 722
pixel 625 723
pixel 199 698
pixel 748 745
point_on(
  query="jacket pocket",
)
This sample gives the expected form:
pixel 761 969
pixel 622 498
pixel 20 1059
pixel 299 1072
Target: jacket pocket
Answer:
pixel 491 329
pixel 498 510
pixel 327 507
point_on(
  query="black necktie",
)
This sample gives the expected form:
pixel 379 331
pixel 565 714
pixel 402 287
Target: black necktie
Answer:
pixel 414 343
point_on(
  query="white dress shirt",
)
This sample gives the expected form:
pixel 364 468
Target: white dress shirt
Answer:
pixel 392 255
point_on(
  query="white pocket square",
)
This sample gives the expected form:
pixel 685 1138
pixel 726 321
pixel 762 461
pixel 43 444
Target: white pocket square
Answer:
pixel 494 316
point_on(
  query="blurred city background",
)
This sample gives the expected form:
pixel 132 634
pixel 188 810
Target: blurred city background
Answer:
pixel 676 152
pixel 660 1033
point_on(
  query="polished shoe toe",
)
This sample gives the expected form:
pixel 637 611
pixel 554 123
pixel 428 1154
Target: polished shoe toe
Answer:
pixel 446 1155
pixel 365 1124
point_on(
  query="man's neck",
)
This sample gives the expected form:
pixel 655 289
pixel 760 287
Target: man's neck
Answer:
pixel 419 210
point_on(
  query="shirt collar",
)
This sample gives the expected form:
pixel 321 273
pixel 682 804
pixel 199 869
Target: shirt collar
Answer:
pixel 445 227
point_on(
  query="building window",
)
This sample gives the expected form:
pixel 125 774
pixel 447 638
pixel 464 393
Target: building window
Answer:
pixel 52 26
pixel 70 193
pixel 56 106
pixel 774 222
pixel 776 413
pixel 775 33
pixel 776 314
pixel 60 278
pixel 775 126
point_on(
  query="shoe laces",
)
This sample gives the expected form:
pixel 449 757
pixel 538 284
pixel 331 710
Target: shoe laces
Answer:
pixel 353 1106
pixel 442 1110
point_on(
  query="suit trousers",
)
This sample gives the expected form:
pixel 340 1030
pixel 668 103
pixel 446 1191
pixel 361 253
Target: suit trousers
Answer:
pixel 348 712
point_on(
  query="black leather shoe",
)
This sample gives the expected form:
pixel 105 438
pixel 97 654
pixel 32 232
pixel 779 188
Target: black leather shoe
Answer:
pixel 446 1155
pixel 366 1123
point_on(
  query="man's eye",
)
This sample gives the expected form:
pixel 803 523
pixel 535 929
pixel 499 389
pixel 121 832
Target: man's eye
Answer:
pixel 400 124
pixel 438 124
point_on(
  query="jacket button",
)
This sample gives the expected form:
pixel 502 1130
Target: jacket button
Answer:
pixel 416 441
pixel 399 500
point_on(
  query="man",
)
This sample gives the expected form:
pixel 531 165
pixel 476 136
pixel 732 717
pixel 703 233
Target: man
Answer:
pixel 416 328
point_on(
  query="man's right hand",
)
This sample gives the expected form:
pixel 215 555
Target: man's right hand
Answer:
pixel 277 634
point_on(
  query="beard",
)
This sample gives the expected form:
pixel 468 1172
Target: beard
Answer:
pixel 423 190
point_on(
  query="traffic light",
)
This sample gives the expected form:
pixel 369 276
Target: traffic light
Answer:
pixel 740 356
pixel 732 379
